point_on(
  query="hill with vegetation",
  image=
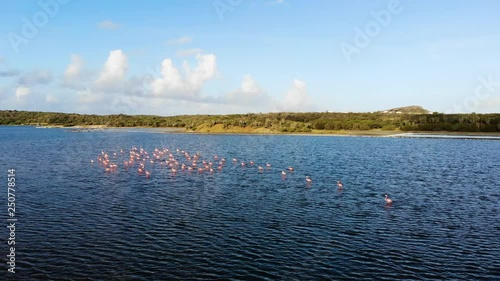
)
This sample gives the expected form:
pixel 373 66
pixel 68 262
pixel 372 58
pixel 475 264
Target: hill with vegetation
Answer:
pixel 413 109
pixel 283 122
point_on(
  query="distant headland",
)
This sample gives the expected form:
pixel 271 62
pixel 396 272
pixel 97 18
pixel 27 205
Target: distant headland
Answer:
pixel 403 119
pixel 412 109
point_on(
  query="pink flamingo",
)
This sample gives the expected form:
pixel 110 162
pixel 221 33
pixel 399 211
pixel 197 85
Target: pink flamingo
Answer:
pixel 339 184
pixel 387 199
pixel 308 179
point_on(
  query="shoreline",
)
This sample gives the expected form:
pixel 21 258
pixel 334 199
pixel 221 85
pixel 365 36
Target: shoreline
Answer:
pixel 259 131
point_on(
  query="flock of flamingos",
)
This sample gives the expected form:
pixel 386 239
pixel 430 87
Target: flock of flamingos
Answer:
pixel 143 162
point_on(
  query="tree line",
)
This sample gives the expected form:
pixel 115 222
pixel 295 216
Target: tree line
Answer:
pixel 276 122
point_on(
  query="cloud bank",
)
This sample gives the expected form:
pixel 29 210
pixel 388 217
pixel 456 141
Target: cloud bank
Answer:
pixel 172 89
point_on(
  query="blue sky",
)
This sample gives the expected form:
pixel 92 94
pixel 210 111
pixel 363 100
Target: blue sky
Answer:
pixel 230 56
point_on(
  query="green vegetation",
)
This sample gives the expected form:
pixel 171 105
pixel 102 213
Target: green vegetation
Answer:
pixel 412 109
pixel 284 122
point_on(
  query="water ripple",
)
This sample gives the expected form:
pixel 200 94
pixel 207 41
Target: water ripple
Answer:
pixel 79 223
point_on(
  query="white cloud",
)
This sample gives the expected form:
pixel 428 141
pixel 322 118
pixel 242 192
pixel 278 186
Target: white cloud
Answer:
pixel 51 98
pixel 87 97
pixel 9 73
pixel 296 99
pixel 173 85
pixel 74 69
pixel 22 92
pixel 249 94
pixel 74 72
pixel 180 40
pixel 249 86
pixel 206 70
pixel 108 24
pixel 188 52
pixel 171 80
pixel 114 70
pixel 35 77
pixel 250 97
pixel 180 87
pixel 161 106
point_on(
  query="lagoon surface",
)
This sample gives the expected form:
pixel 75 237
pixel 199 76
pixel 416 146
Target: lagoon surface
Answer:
pixel 78 222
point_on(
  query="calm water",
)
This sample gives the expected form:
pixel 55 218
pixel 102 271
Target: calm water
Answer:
pixel 78 222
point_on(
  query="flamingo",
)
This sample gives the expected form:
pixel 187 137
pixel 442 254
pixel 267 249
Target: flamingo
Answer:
pixel 283 173
pixel 387 199
pixel 339 184
pixel 308 179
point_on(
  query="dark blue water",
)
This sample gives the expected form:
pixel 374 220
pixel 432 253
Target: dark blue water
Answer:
pixel 78 222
